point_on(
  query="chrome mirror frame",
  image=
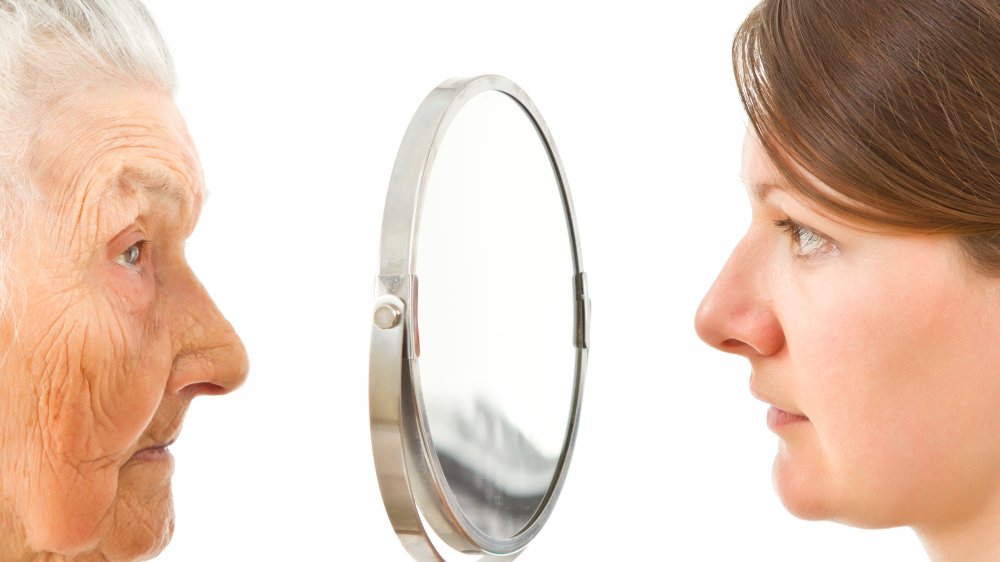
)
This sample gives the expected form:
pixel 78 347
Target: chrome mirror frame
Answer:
pixel 413 486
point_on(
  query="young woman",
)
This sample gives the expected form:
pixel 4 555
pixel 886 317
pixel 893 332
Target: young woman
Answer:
pixel 866 292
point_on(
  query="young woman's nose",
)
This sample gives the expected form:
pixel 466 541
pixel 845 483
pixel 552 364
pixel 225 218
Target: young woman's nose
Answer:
pixel 736 315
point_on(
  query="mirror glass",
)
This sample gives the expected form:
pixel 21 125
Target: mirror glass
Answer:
pixel 495 314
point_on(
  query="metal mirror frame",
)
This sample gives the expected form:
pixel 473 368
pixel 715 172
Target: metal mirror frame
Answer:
pixel 414 488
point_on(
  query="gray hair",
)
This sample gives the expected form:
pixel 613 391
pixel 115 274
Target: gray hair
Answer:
pixel 50 49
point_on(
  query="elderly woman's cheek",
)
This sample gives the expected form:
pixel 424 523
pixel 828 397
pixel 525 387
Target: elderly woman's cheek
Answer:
pixel 97 392
pixel 129 292
pixel 76 469
pixel 130 353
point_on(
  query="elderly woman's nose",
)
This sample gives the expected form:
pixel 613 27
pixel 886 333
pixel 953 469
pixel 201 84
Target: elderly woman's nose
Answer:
pixel 736 315
pixel 209 356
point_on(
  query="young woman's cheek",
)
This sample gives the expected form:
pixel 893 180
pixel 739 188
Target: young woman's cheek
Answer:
pixel 857 336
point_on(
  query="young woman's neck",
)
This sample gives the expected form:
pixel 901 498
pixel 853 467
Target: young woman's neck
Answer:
pixel 976 539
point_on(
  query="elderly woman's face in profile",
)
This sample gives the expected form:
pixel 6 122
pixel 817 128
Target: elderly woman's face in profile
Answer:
pixel 109 334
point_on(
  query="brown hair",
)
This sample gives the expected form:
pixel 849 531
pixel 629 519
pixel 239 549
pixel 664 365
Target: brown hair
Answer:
pixel 893 104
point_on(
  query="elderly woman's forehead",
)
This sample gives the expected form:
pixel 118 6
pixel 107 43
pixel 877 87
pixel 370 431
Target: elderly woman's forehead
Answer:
pixel 131 140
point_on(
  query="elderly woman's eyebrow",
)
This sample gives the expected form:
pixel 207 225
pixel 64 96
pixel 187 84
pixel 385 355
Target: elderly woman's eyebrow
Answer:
pixel 137 180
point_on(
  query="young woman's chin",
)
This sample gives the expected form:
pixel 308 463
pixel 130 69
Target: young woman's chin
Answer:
pixel 799 482
pixel 809 490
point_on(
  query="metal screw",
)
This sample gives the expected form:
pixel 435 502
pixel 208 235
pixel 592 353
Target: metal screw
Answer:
pixel 387 316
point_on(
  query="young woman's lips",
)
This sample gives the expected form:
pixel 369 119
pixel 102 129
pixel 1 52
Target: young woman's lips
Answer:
pixel 778 418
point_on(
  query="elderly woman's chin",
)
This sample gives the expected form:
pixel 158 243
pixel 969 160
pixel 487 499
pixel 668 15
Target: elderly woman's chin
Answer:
pixel 141 521
pixel 134 522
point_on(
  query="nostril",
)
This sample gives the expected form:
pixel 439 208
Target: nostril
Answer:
pixel 213 370
pixel 202 388
pixel 733 345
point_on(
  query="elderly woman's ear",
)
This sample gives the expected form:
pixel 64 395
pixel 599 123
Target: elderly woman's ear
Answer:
pixel 107 331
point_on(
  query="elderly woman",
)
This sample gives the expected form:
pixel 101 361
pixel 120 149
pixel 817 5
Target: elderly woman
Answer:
pixel 866 293
pixel 106 333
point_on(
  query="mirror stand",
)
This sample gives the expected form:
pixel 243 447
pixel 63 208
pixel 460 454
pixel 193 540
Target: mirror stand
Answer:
pixel 475 452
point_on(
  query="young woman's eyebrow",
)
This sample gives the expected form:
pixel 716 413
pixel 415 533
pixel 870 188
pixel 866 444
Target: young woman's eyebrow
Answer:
pixel 761 190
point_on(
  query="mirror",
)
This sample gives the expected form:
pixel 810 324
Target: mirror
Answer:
pixel 479 343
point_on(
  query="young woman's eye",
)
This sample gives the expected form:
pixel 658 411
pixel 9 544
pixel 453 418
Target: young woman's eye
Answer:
pixel 132 255
pixel 808 243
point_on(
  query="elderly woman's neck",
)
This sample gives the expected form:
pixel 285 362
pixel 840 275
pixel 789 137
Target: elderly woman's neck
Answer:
pixel 17 551
pixel 13 541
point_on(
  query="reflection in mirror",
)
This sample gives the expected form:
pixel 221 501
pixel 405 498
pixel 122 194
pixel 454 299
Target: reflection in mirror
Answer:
pixel 496 314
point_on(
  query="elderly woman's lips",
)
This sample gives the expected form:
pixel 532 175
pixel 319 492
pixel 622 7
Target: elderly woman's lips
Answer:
pixel 157 453
pixel 152 454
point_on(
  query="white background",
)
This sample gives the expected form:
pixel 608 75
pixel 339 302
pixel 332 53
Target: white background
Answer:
pixel 298 109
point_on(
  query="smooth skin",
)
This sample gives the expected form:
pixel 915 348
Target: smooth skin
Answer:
pixel 887 343
pixel 109 336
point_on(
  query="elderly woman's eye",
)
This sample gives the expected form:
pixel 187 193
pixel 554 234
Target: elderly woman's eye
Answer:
pixel 132 255
pixel 808 243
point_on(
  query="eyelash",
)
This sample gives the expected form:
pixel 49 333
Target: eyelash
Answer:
pixel 797 232
pixel 790 227
pixel 142 247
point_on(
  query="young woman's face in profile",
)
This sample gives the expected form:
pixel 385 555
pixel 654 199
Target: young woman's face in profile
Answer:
pixel 878 353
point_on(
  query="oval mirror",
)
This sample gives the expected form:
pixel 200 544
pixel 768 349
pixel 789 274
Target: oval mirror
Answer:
pixel 479 342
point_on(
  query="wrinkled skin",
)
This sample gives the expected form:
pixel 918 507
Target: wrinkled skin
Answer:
pixel 109 338
pixel 887 344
